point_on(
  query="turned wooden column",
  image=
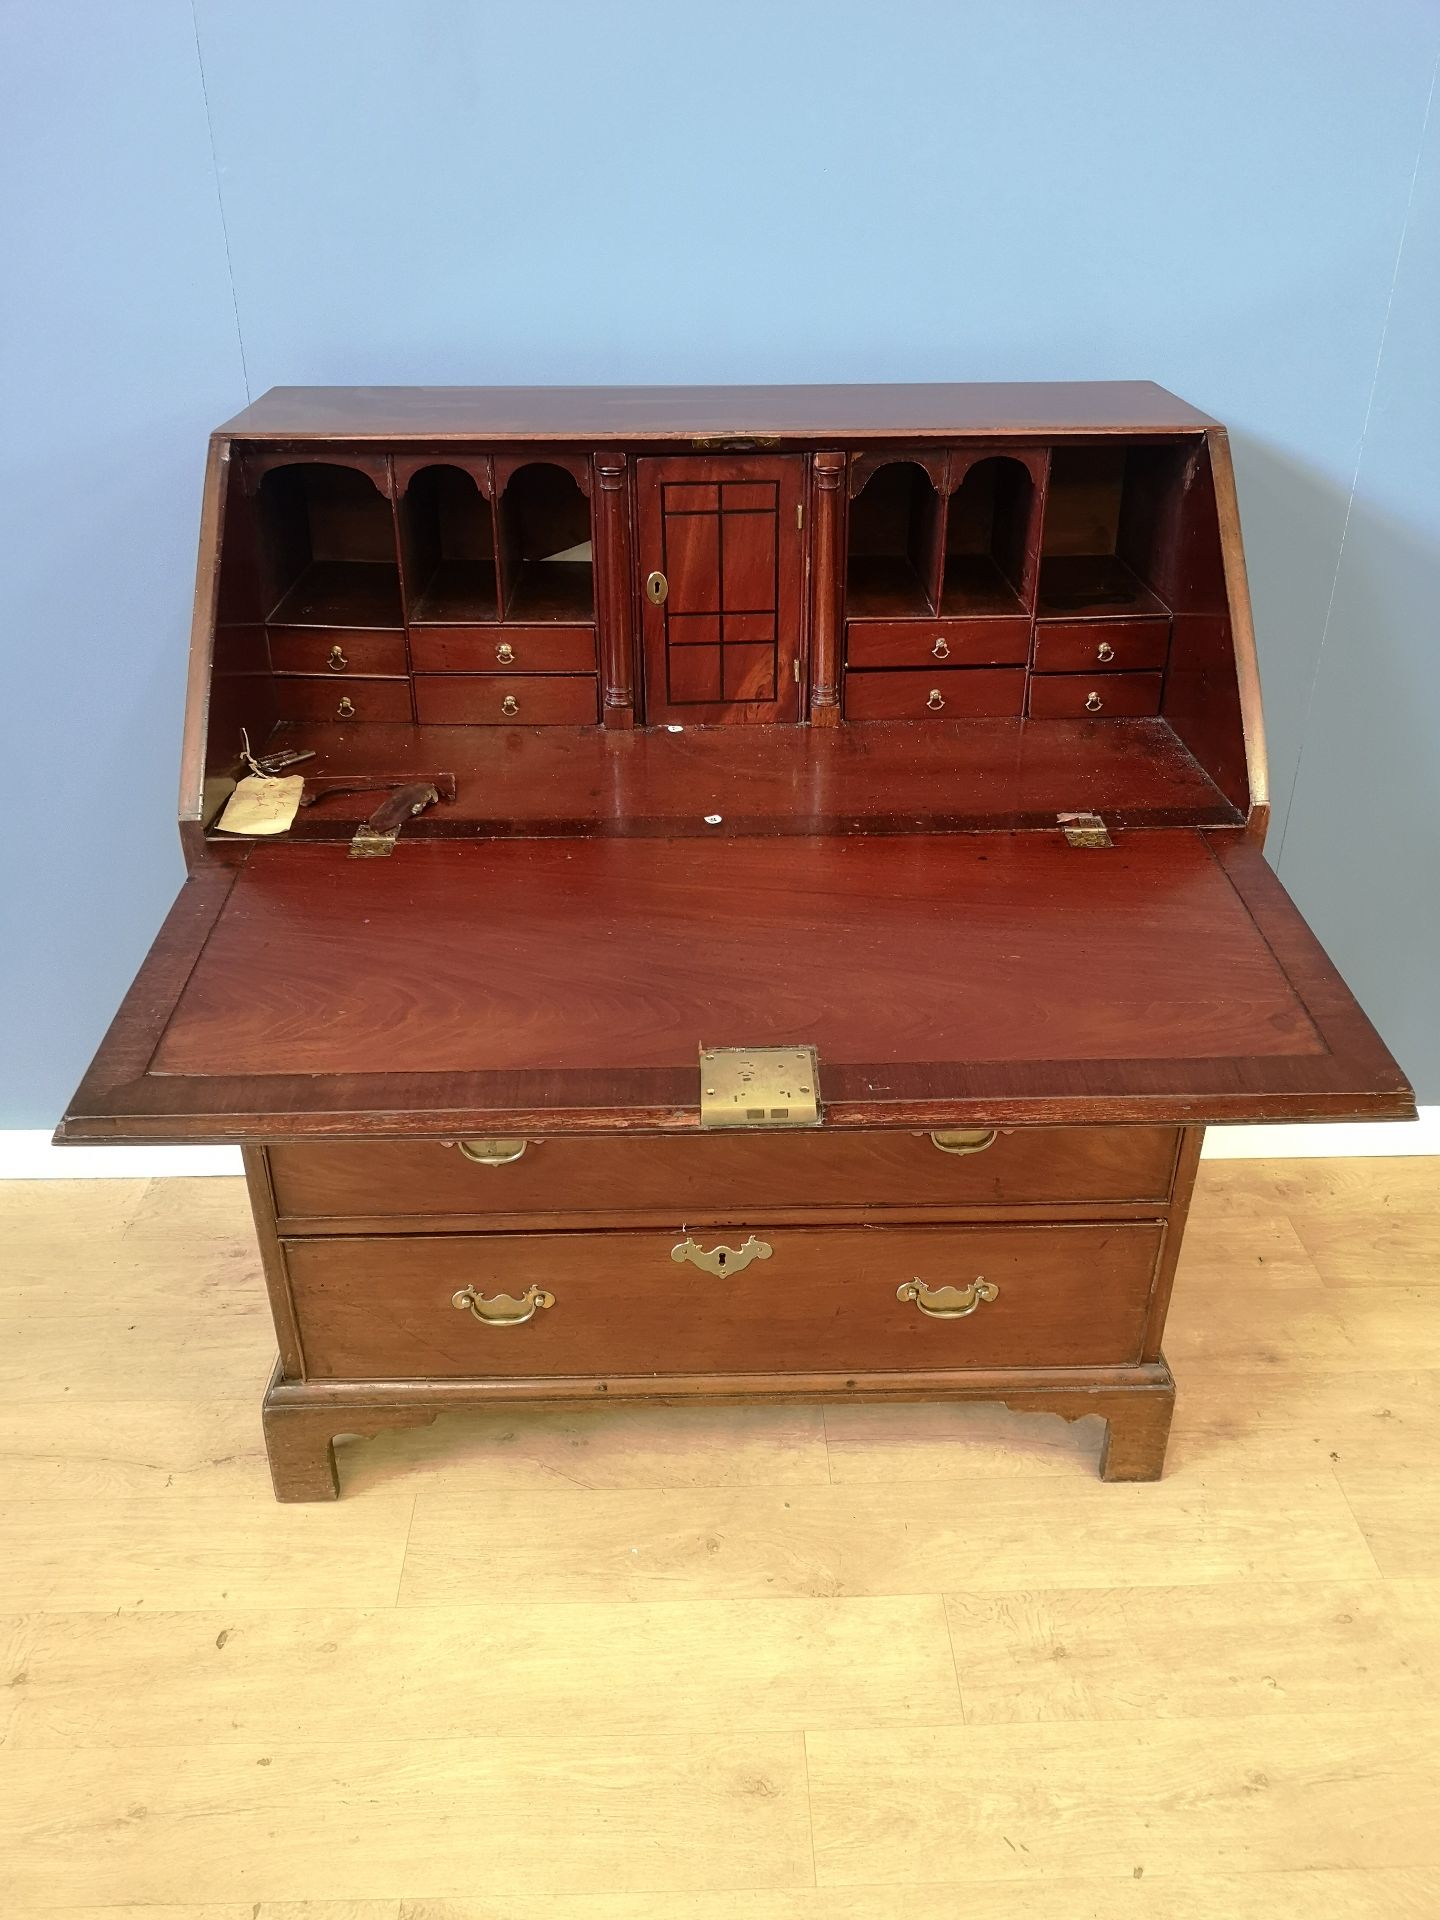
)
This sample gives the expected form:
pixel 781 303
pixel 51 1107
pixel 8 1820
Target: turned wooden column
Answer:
pixel 828 573
pixel 614 568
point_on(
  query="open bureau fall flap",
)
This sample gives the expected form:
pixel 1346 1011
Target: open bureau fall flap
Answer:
pixel 738 719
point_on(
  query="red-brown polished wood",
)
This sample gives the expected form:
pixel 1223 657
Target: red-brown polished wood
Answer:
pixel 383 1308
pixel 625 414
pixel 474 1061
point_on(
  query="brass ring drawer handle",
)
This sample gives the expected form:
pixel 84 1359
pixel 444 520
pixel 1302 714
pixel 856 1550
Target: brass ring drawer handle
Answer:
pixel 941 648
pixel 974 1140
pixel 936 700
pixel 1093 702
pixel 505 653
pixel 492 1153
pixel 721 1260
pixel 948 1303
pixel 503 1309
pixel 336 660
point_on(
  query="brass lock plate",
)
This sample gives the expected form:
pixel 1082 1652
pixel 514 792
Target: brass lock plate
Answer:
pixel 1084 829
pixel 759 1087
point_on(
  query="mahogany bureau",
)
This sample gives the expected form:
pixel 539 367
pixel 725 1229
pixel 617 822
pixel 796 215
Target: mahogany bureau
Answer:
pixel 723 893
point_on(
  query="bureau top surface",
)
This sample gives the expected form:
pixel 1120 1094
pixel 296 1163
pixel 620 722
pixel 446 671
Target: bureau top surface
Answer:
pixel 902 411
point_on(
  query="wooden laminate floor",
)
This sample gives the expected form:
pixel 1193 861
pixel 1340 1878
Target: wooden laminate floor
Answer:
pixel 742 1664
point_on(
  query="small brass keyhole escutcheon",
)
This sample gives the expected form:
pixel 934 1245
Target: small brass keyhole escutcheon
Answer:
pixel 336 660
pixel 509 705
pixel 1105 651
pixel 936 700
pixel 346 708
pixel 721 1261
pixel 656 588
pixel 941 648
pixel 505 653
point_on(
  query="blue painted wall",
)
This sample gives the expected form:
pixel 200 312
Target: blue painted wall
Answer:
pixel 1238 200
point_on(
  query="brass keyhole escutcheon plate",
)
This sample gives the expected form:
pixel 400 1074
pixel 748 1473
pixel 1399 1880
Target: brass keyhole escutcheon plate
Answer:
pixel 721 1260
pixel 657 588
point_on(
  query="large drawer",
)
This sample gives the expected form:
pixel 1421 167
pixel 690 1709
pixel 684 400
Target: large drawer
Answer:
pixel 816 1299
pixel 689 1176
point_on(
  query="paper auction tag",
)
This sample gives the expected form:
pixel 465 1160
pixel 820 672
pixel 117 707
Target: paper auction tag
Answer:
pixel 262 806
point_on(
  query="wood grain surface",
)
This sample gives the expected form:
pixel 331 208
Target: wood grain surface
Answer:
pixel 546 1652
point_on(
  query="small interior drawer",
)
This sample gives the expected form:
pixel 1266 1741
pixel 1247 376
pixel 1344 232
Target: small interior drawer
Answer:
pixel 505 700
pixel 337 650
pixel 1100 646
pixel 999 642
pixel 1113 696
pixel 977 693
pixel 341 697
pixel 496 649
pixel 661 1301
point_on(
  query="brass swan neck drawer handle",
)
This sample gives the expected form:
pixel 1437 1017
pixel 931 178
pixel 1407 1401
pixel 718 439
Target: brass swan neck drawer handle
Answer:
pixel 1105 651
pixel 1093 702
pixel 968 1140
pixel 503 1309
pixel 505 654
pixel 721 1260
pixel 941 648
pixel 948 1303
pixel 346 708
pixel 936 700
pixel 509 706
pixel 336 660
pixel 492 1153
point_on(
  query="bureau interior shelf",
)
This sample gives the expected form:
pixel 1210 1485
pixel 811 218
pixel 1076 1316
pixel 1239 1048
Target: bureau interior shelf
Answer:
pixel 1107 510
pixel 448 529
pixel 546 548
pixel 328 546
pixel 895 529
pixel 953 776
pixel 987 521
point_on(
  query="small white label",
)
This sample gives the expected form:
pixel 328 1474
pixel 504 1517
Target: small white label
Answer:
pixel 262 806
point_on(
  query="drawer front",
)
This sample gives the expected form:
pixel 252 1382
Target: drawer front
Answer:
pixel 505 700
pixel 814 1299
pixel 341 697
pixel 337 650
pixel 1115 696
pixel 1000 642
pixel 977 693
pixel 503 649
pixel 1100 646
pixel 709 1175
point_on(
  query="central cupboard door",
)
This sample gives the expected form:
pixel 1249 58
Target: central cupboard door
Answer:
pixel 721 550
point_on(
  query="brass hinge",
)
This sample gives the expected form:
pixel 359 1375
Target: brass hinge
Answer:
pixel 759 1087
pixel 1084 829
